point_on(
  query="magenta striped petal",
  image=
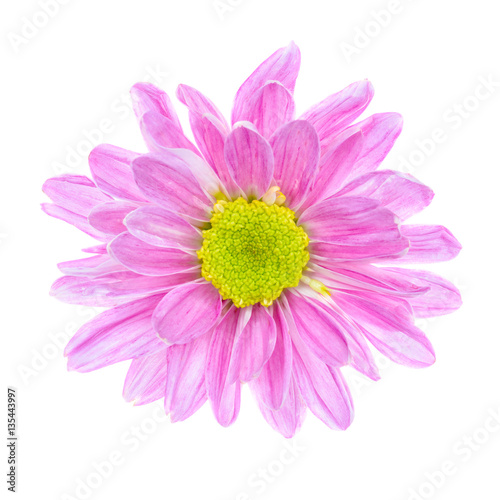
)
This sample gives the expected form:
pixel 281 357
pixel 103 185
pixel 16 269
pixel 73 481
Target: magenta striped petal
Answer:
pixel 288 419
pixel 143 258
pixel 352 229
pixel 334 166
pixel 99 249
pixel 146 378
pixel 282 66
pixel 166 179
pixel 296 156
pixel 441 298
pixel 401 193
pixel 188 311
pixel 160 133
pixel 388 324
pixel 146 97
pixel 108 217
pixel 79 221
pixel 74 193
pixel 97 265
pixel 321 333
pixel 249 158
pixel 115 335
pixel 272 107
pixel 429 244
pixel 333 114
pixel 111 169
pixel 162 228
pixel 199 104
pixel 115 288
pixel 185 390
pixel 254 344
pixel 272 385
pixel 380 132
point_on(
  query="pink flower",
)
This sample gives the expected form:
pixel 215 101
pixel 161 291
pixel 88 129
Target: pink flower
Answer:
pixel 264 254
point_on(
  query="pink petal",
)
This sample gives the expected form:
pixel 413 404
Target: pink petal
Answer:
pixel 282 66
pixel 97 265
pixel 224 397
pixel 100 249
pixel 441 298
pixel 320 331
pixel 146 97
pixel 160 133
pixel 333 114
pixel 146 377
pixel 115 288
pixel 188 311
pixel 296 156
pixel 185 390
pixel 115 335
pixel 380 132
pixel 74 193
pixel 253 346
pixel 429 244
pixel 271 108
pixel 352 229
pixel 79 221
pixel 147 259
pixel 249 158
pixel 272 385
pixel 199 104
pixel 111 169
pixel 335 166
pixel 162 228
pixel 108 217
pixel 288 419
pixel 401 193
pixel 387 324
pixel 166 179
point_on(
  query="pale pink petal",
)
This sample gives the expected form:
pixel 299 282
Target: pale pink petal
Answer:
pixel 199 104
pixel 111 169
pixel 79 221
pixel 282 66
pixel 296 156
pixel 188 311
pixel 100 249
pixel 387 324
pixel 249 158
pixel 320 331
pixel 288 419
pixel 97 265
pixel 401 193
pixel 334 166
pixel 108 217
pixel 271 108
pixel 146 378
pixel 380 132
pixel 253 346
pixel 115 335
pixel 352 229
pixel 146 97
pixel 441 298
pixel 185 390
pixel 162 228
pixel 167 180
pixel 115 288
pixel 333 114
pixel 322 388
pixel 272 385
pixel 160 133
pixel 429 244
pixel 74 193
pixel 224 397
pixel 143 258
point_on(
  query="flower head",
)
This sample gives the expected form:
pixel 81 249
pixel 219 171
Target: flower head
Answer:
pixel 266 253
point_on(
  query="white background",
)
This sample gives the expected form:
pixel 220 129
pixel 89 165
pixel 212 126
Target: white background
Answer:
pixel 59 84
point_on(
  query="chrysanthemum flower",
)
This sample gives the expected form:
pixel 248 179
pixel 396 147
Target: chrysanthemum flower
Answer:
pixel 266 253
